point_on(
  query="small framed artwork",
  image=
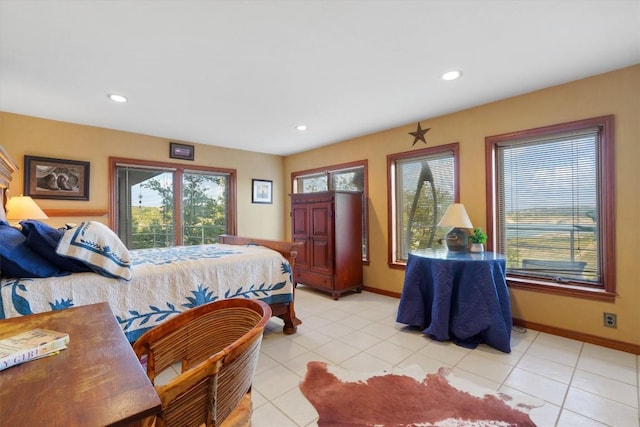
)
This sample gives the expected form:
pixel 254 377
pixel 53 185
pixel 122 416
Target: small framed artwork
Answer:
pixel 181 151
pixel 46 178
pixel 262 191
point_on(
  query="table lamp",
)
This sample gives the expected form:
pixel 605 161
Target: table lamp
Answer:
pixel 456 217
pixel 23 207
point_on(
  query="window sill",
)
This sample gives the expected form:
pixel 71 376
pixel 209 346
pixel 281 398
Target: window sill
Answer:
pixel 561 289
pixel 398 265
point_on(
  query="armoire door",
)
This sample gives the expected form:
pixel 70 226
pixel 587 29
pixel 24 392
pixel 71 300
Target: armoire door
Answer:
pixel 321 237
pixel 300 233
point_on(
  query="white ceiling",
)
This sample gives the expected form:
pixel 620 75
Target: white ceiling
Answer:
pixel 243 74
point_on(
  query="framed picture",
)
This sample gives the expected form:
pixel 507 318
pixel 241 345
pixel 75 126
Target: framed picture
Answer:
pixel 181 151
pixel 262 191
pixel 46 178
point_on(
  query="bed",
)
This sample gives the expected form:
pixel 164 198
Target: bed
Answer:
pixel 163 282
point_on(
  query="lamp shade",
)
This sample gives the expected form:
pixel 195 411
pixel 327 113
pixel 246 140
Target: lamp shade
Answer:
pixel 456 216
pixel 23 207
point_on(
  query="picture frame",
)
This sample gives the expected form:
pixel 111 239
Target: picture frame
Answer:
pixel 262 191
pixel 181 151
pixel 49 178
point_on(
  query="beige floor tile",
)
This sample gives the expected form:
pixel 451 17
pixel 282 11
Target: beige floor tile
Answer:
pixel 283 350
pixel 536 385
pixel 365 362
pixel 561 350
pixel 571 419
pixel 275 382
pixel 618 371
pixel 485 367
pixel 547 368
pixel 310 339
pixel 337 351
pixel 299 364
pixel 360 340
pixel 297 407
pixel 268 415
pixel 411 340
pixel 447 352
pixel 389 352
pixel 601 409
pixel 334 330
pixel 426 363
pixel 606 387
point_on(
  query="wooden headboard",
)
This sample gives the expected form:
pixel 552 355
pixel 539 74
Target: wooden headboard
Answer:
pixel 7 167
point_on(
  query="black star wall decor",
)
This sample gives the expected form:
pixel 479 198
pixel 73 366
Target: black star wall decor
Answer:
pixel 419 135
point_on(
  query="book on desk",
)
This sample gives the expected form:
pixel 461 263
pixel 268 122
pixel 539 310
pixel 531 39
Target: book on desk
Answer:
pixel 31 345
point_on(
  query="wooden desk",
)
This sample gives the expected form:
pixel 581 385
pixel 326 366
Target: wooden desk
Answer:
pixel 456 296
pixel 96 381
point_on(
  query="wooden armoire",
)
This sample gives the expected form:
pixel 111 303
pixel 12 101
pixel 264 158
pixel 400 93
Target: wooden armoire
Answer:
pixel 329 225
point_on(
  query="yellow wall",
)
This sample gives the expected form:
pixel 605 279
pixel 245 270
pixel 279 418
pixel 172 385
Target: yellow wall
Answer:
pixel 615 93
pixel 22 135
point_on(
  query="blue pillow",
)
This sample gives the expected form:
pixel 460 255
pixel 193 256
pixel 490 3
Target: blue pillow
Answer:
pixel 43 240
pixel 18 260
pixel 97 246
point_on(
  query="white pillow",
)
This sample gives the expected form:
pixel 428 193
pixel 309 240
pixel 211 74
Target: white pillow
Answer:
pixel 99 248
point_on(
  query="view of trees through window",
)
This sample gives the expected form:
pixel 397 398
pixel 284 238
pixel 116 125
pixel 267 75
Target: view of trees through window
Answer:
pixel 147 207
pixel 424 186
pixel 203 208
pixel 423 202
pixel 151 210
pixel 350 179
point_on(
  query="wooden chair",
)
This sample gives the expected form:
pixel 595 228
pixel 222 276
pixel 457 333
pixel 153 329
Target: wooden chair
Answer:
pixel 218 345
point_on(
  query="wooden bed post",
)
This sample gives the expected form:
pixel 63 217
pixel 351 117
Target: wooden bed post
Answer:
pixel 7 167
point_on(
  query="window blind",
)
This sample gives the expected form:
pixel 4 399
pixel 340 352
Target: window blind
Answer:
pixel 548 205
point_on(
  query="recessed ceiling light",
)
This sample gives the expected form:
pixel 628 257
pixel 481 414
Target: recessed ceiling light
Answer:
pixel 452 75
pixel 117 98
pixel 301 127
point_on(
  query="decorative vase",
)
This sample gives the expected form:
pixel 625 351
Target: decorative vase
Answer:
pixel 477 247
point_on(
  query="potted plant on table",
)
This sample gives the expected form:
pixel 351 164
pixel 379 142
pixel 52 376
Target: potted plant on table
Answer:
pixel 478 238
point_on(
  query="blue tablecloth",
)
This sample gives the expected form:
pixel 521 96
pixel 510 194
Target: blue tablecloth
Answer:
pixel 462 297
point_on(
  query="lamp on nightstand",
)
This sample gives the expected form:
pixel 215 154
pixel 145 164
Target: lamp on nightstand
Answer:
pixel 23 207
pixel 456 217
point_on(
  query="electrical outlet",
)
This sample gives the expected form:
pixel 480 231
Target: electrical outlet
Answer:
pixel 610 320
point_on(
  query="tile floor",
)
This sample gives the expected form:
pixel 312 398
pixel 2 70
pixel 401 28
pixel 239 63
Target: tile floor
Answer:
pixel 582 384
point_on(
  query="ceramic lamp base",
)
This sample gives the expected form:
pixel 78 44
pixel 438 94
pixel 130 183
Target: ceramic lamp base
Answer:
pixel 457 240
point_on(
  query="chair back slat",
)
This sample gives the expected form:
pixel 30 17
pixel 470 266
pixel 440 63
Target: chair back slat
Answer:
pixel 235 378
pixel 188 409
pixel 218 345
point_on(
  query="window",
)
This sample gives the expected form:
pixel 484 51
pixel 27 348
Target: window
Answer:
pixel 346 177
pixel 422 184
pixel 339 177
pixel 162 204
pixel 552 206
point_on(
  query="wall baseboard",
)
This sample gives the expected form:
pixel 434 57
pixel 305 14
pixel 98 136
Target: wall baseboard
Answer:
pixel 381 292
pixel 580 336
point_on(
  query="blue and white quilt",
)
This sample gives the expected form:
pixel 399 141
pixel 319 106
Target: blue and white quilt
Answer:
pixel 166 281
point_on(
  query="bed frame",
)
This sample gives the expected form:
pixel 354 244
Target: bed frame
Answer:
pixel 289 250
pixel 285 311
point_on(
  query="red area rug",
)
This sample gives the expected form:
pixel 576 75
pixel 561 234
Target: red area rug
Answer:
pixel 408 397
